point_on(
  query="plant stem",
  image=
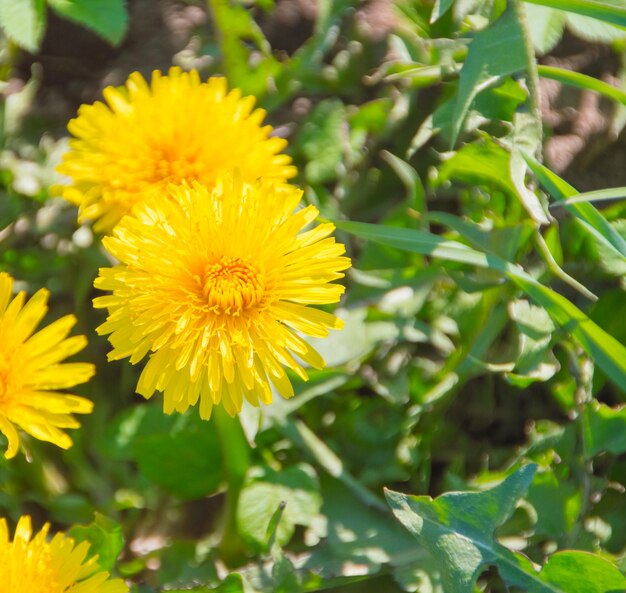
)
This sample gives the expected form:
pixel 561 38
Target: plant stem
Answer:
pixel 236 458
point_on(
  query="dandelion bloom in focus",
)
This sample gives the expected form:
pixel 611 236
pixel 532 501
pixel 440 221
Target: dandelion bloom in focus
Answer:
pixel 31 372
pixel 216 284
pixel 174 129
pixel 35 565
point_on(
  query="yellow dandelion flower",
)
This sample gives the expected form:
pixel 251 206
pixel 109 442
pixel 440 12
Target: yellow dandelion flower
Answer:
pixel 35 565
pixel 216 284
pixel 175 129
pixel 31 372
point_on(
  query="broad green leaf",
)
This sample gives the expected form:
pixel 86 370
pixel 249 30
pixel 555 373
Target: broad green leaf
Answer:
pixel 306 440
pixel 607 352
pixel 24 21
pixel 496 51
pixel 589 216
pixel 581 572
pixel 262 494
pixel 179 453
pixel 107 18
pixel 594 30
pixel 614 13
pixel 105 539
pixel 582 81
pixel 604 429
pixel 457 528
pixel 545 26
pixel 356 531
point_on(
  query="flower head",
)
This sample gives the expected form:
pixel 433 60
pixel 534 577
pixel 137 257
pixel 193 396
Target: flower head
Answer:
pixel 216 285
pixel 34 565
pixel 175 129
pixel 31 372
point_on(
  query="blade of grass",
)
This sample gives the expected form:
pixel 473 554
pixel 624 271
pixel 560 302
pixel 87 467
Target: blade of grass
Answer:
pixel 582 81
pixel 589 216
pixel 599 195
pixel 608 353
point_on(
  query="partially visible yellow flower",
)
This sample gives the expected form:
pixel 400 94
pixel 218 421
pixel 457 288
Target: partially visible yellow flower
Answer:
pixel 216 285
pixel 35 565
pixel 31 372
pixel 175 129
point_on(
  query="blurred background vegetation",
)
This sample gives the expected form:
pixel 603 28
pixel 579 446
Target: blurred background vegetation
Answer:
pixel 447 376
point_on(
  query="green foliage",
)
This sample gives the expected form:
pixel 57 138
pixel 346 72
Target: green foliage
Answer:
pixel 478 382
pixel 105 540
pixel 24 21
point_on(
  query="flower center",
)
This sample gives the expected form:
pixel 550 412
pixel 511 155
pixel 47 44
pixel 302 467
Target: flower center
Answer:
pixel 232 285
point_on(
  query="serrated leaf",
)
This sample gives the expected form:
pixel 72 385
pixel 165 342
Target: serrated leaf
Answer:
pixel 105 539
pixel 496 51
pixel 107 18
pixel 24 21
pixel 458 530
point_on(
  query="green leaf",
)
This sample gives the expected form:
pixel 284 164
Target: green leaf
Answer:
pixel 545 26
pixel 235 28
pixel 556 503
pixel 440 8
pixel 265 490
pixel 24 21
pixel 107 18
pixel 484 163
pixel 496 51
pixel 607 352
pixel 582 572
pixel 594 30
pixel 105 538
pixel 322 141
pixel 457 528
pixel 180 453
pixel 604 429
pixel 233 583
pixel 604 11
pixel 582 81
pixel 589 216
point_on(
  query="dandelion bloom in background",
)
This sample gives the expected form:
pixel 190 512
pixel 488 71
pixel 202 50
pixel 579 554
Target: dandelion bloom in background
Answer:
pixel 31 372
pixel 35 565
pixel 174 129
pixel 216 284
